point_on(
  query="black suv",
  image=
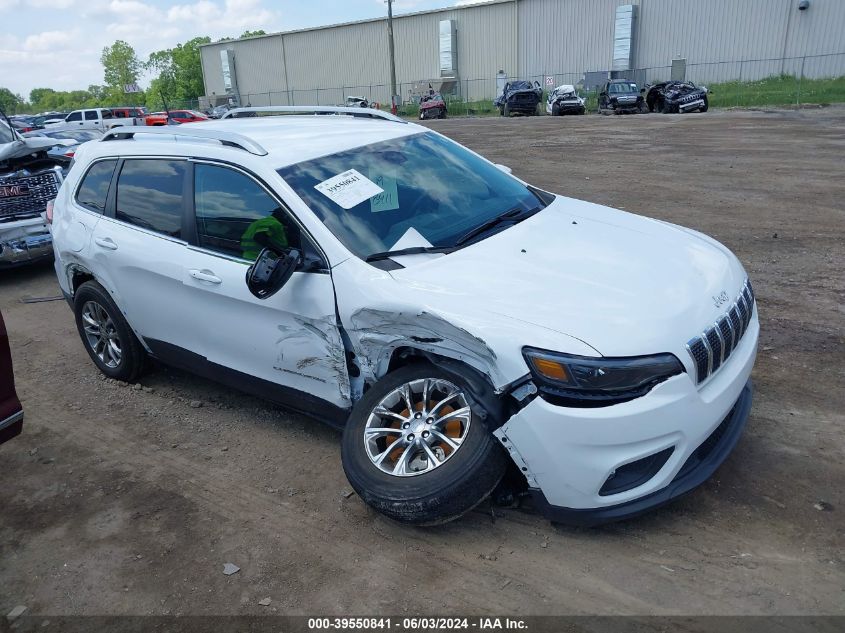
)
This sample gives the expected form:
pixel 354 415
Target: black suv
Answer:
pixel 620 96
pixel 519 97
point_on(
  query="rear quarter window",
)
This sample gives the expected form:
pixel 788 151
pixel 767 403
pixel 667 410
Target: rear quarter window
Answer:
pixel 94 189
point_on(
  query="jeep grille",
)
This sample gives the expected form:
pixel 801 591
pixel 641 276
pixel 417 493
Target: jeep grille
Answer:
pixel 712 348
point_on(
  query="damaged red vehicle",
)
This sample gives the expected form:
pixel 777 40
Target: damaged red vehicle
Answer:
pixel 11 411
pixel 432 106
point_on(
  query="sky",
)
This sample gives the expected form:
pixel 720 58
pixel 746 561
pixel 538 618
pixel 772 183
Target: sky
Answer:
pixel 57 43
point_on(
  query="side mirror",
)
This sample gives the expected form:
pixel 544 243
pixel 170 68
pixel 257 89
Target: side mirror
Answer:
pixel 271 271
pixel 642 89
pixel 504 168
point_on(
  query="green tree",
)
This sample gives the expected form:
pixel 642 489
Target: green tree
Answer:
pixel 9 101
pixel 253 33
pixel 121 66
pixel 179 73
pixel 40 97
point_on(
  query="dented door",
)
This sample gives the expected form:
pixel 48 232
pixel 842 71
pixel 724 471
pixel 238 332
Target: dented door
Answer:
pixel 291 339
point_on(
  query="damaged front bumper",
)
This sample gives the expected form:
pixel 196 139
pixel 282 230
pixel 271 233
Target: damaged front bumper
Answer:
pixel 24 242
pixel 594 466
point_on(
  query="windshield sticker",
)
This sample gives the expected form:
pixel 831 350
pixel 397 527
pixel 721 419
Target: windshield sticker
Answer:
pixel 348 189
pixel 388 199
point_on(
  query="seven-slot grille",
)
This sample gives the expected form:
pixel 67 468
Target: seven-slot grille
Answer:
pixel 27 195
pixel 711 348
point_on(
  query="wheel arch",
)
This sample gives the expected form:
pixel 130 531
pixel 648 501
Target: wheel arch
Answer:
pixel 478 379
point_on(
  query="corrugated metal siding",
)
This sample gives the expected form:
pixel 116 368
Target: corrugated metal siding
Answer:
pixel 326 65
pixel 566 37
pixel 530 39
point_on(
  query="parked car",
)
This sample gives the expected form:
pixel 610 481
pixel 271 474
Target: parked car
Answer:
pixel 676 96
pixel 565 100
pixel 357 102
pixel 218 111
pixel 620 96
pixel 176 116
pixel 11 410
pixel 136 113
pixel 454 320
pixel 29 179
pixel 519 97
pixel 46 118
pixel 100 119
pixel 64 152
pixel 432 106
pixel 24 123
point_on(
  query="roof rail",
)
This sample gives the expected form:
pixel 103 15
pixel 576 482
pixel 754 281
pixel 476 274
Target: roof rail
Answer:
pixel 357 112
pixel 224 137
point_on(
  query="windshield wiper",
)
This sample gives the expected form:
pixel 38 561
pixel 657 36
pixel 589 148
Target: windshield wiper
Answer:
pixel 413 250
pixel 517 214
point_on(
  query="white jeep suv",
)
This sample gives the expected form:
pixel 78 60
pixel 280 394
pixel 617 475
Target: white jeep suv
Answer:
pixel 454 320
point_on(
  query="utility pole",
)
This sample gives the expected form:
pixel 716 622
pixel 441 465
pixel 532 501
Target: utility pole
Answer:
pixel 391 55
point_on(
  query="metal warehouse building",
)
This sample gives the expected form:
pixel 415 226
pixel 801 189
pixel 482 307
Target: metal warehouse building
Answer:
pixel 466 50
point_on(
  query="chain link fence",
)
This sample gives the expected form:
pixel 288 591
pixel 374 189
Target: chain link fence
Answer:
pixel 817 79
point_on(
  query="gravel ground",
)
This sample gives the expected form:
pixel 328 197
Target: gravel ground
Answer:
pixel 131 499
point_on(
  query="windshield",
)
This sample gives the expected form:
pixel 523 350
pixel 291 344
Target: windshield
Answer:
pixel 521 85
pixel 370 197
pixel 623 88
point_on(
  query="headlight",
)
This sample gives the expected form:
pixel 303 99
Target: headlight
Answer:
pixel 585 381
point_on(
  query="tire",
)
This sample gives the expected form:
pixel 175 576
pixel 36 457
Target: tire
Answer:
pixel 506 110
pixel 422 115
pixel 555 109
pixel 705 107
pixel 120 354
pixel 421 492
pixel 442 114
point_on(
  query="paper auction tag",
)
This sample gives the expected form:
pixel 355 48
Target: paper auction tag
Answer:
pixel 349 189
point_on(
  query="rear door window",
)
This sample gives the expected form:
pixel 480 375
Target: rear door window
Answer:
pixel 91 115
pixel 149 195
pixel 94 190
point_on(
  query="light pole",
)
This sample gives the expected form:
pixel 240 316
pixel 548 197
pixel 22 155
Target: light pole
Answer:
pixel 391 56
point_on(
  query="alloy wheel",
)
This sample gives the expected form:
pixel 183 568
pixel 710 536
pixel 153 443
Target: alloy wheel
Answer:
pixel 101 334
pixel 417 427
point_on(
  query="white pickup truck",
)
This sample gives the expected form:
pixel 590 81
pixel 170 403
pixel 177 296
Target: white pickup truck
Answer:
pixel 102 119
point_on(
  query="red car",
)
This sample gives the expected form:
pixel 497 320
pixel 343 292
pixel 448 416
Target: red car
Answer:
pixel 432 106
pixel 11 411
pixel 180 116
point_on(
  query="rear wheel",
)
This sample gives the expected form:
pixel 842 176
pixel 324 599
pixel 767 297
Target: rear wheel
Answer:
pixel 106 335
pixel 417 450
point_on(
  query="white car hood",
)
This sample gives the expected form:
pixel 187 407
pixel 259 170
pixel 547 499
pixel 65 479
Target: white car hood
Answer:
pixel 623 284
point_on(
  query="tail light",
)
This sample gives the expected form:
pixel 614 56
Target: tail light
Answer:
pixel 50 204
pixel 69 154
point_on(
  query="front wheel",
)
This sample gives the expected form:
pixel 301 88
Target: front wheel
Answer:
pixel 417 449
pixel 705 107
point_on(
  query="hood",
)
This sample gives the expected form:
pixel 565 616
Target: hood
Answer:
pixel 26 146
pixel 621 283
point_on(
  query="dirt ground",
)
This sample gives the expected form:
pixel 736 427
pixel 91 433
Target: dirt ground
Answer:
pixel 129 500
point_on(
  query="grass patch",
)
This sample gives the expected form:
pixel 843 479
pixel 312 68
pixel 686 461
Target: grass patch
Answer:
pixel 778 90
